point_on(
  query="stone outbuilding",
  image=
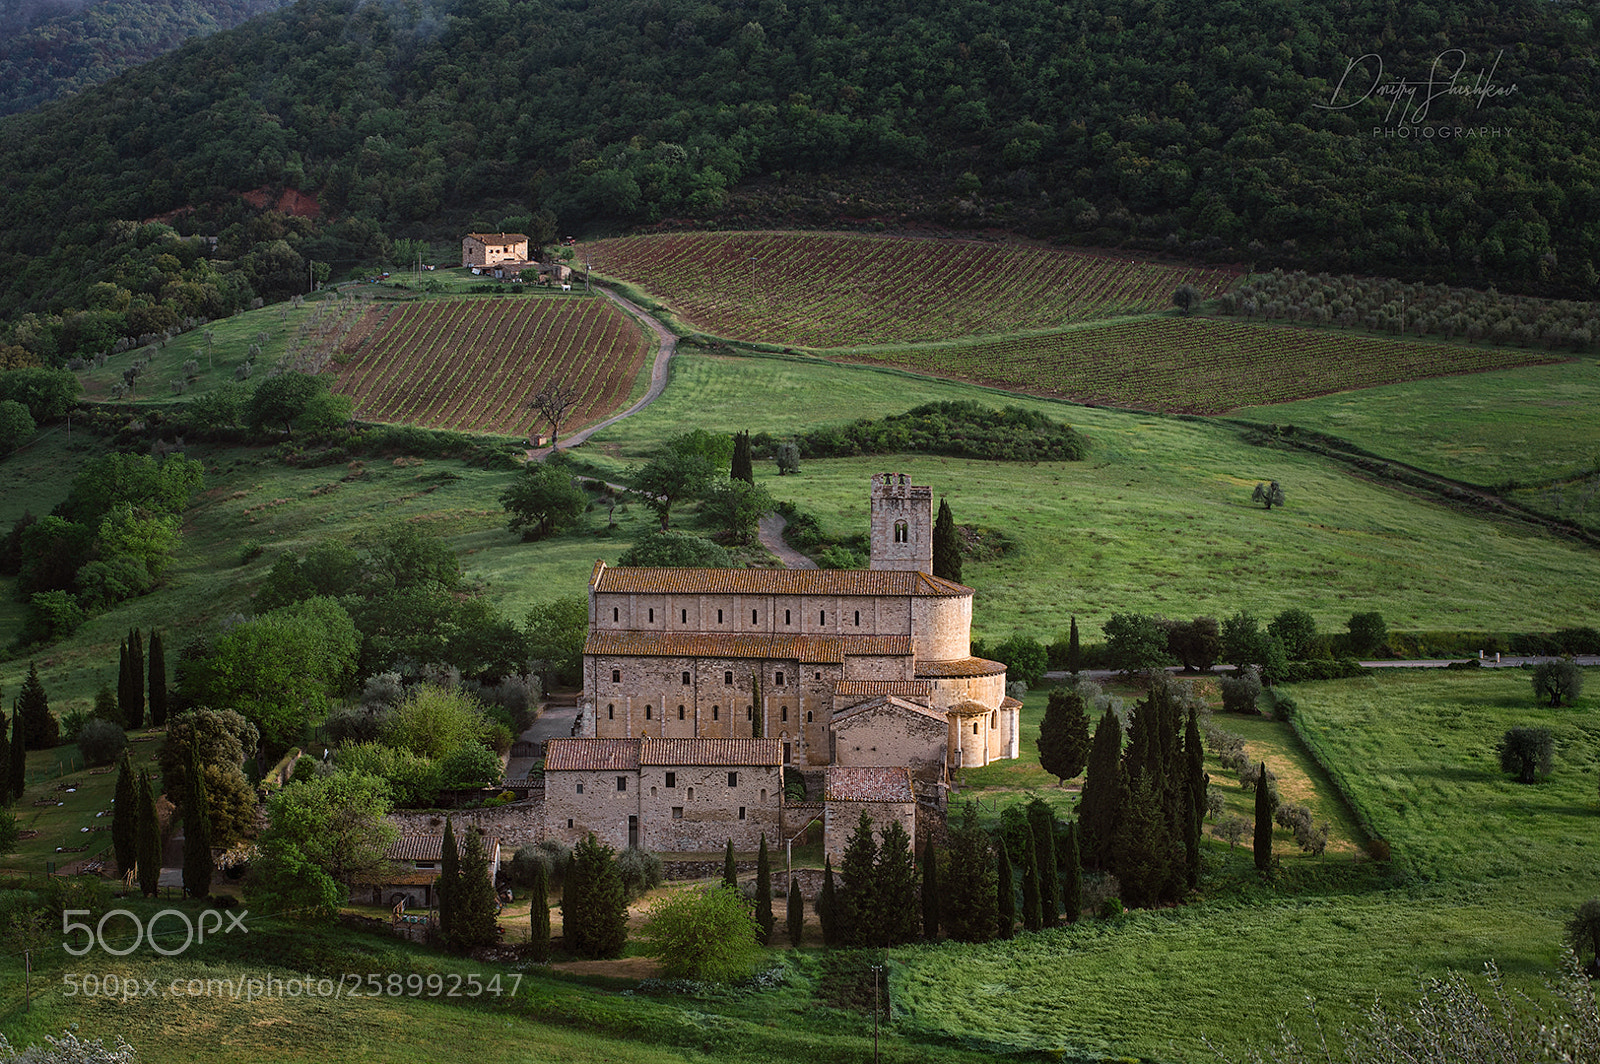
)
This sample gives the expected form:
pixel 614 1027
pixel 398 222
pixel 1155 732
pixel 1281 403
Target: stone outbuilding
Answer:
pixel 884 793
pixel 417 861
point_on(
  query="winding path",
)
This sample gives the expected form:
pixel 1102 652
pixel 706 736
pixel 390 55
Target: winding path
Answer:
pixel 771 536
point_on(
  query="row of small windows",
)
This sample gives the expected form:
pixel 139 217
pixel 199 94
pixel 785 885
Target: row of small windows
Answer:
pixel 716 713
pixel 687 678
pixel 672 781
pixel 755 615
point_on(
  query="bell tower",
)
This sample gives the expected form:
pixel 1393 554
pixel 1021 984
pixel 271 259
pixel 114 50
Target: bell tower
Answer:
pixel 902 524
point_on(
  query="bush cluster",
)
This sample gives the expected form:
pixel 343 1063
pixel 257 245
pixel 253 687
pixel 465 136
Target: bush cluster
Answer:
pixel 961 429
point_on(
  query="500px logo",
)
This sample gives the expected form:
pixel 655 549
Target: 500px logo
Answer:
pixel 193 931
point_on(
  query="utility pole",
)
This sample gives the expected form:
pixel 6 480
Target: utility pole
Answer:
pixel 876 969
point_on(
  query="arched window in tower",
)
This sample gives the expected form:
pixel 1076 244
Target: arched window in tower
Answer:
pixel 902 532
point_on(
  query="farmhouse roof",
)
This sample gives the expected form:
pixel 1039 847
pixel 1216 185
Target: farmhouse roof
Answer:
pixel 938 670
pixel 498 238
pixel 431 847
pixel 808 648
pixel 773 582
pixel 888 702
pixel 591 755
pixel 710 752
pixel 859 784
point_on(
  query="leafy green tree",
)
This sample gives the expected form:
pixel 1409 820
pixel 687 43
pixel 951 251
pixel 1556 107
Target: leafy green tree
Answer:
pixel 124 817
pixel 435 722
pixel 1297 630
pixel 158 680
pixel 48 393
pixel 324 835
pixel 1005 891
pixel 827 905
pixel 1135 643
pixel 1268 494
pixel 539 915
pixel 1558 681
pixel 448 888
pixel 1197 644
pixel 675 550
pixel 1527 752
pixel 702 934
pixel 100 741
pixel 1064 735
pixel 196 832
pixel 39 727
pixel 1264 808
pixel 224 740
pixel 1043 822
pixel 1025 657
pixel 1185 298
pixel 735 508
pixel 594 907
pixel 1242 640
pixel 794 916
pixel 477 906
pixel 1100 809
pixel 788 458
pixel 971 895
pixel 671 477
pixel 147 834
pixel 280 400
pixel 556 631
pixel 946 544
pixel 895 886
pixel 741 468
pixel 1071 874
pixel 930 892
pixel 540 500
pixel 764 918
pixel 16 426
pixel 1368 633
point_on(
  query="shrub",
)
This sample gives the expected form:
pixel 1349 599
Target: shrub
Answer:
pixel 1239 693
pixel 1025 658
pixel 702 934
pixel 1368 632
pixel 837 557
pixel 640 871
pixel 73 721
pixel 1297 631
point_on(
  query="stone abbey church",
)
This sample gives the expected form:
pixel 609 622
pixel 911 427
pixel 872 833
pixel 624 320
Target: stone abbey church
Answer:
pixel 702 685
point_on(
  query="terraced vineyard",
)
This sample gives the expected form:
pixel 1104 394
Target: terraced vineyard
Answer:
pixel 472 364
pixel 833 290
pixel 1197 365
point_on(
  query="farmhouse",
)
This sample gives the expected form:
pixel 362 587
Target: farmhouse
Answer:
pixel 487 249
pixel 683 668
pixel 416 864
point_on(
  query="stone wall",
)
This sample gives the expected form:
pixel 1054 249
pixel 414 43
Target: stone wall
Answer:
pixel 516 824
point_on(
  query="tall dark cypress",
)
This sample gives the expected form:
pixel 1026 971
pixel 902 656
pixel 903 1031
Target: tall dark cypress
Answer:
pixel 742 468
pixel 448 885
pixel 1194 756
pixel 794 915
pixel 477 907
pixel 148 839
pixel 826 903
pixel 133 711
pixel 5 763
pixel 539 915
pixel 125 818
pixel 1071 874
pixel 158 680
pixel 946 545
pixel 930 892
pixel 764 918
pixel 1074 651
pixel 1043 822
pixel 196 831
pixel 17 771
pixel 730 871
pixel 1032 911
pixel 33 707
pixel 1100 809
pixel 124 700
pixel 1005 891
pixel 1263 840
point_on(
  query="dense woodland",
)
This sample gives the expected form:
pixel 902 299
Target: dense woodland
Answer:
pixel 1203 131
pixel 53 49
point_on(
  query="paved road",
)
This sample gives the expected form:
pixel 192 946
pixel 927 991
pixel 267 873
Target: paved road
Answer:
pixel 771 536
pixel 1490 662
pixel 666 348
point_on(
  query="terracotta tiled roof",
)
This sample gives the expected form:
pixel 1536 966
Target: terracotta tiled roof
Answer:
pixel 499 238
pixel 959 667
pixel 868 784
pixel 886 702
pixel 711 752
pixel 969 708
pixel 874 688
pixel 591 755
pixel 774 582
pixel 1009 703
pixel 817 648
pixel 431 847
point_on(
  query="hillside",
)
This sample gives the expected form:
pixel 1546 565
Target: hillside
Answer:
pixel 423 120
pixel 49 50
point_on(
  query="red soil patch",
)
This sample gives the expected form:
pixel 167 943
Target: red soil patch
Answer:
pixel 291 201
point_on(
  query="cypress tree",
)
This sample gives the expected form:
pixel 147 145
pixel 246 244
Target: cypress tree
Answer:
pixel 827 903
pixel 1138 857
pixel 930 892
pixel 895 921
pixel 17 771
pixel 1074 651
pixel 594 906
pixel 1100 809
pixel 969 899
pixel 125 818
pixel 539 915
pixel 1064 735
pixel 476 904
pixel 1043 822
pixel 794 916
pixel 1263 840
pixel 858 914
pixel 946 545
pixel 764 917
pixel 124 702
pixel 730 872
pixel 448 885
pixel 1005 891
pixel 5 763
pixel 38 723
pixel 196 831
pixel 158 680
pixel 133 710
pixel 741 468
pixel 1196 781
pixel 1032 911
pixel 1071 874
pixel 148 839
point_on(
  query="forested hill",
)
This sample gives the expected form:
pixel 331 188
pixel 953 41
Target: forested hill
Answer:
pixel 50 49
pixel 1197 128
